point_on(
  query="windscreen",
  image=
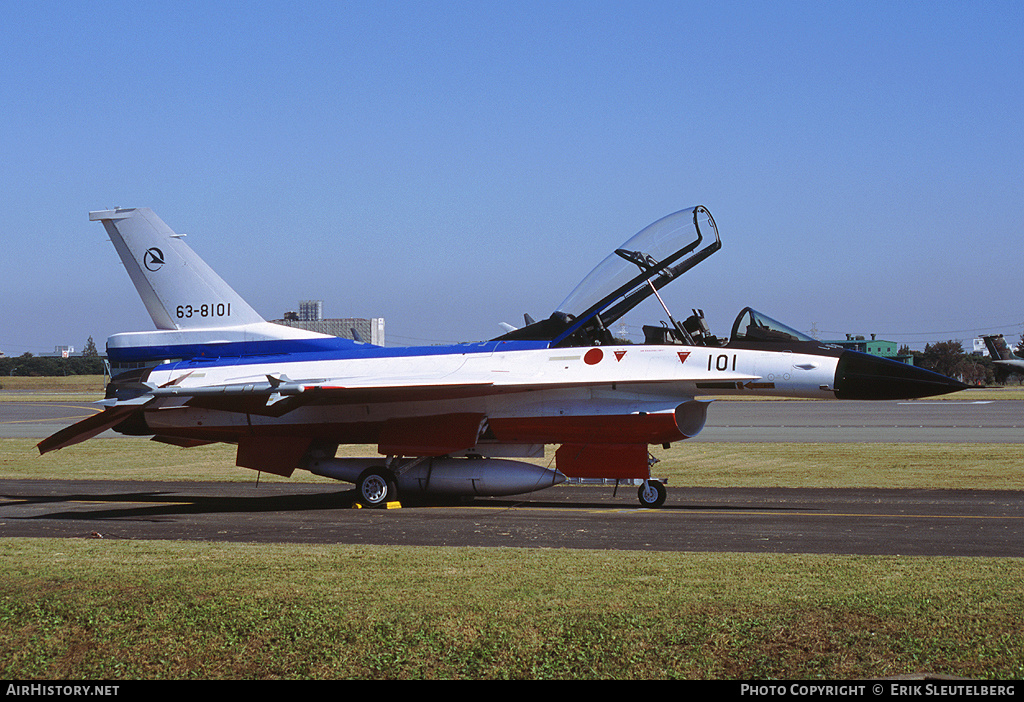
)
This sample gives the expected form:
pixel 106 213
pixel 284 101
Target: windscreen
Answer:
pixel 752 326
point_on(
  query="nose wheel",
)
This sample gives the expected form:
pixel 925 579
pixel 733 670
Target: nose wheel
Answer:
pixel 652 494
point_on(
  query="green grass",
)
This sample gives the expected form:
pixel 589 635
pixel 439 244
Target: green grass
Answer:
pixel 120 610
pixel 60 387
pixel 884 465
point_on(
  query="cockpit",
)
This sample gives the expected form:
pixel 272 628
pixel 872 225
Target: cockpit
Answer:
pixel 639 269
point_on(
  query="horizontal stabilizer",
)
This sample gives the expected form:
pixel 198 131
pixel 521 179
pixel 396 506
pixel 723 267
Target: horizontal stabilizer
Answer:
pixel 87 428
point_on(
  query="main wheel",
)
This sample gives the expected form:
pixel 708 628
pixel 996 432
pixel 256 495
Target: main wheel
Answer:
pixel 652 494
pixel 376 487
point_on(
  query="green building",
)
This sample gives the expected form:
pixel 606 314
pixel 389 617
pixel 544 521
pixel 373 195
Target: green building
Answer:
pixel 876 347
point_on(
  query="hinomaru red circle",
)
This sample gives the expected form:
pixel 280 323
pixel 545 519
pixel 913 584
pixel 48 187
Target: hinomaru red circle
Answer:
pixel 593 356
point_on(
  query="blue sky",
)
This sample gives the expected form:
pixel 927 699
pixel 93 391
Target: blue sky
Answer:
pixel 452 165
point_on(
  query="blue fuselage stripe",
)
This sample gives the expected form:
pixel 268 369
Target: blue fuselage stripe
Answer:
pixel 249 352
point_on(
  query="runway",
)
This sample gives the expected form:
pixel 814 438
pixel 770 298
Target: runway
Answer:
pixel 826 521
pixel 916 421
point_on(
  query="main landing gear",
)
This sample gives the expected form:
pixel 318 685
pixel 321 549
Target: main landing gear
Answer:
pixel 376 487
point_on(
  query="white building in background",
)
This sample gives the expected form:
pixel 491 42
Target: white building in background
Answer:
pixel 311 318
pixel 61 351
pixel 311 310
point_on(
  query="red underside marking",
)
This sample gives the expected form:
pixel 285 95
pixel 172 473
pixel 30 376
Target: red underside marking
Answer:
pixel 429 436
pixel 279 455
pixel 278 448
pixel 615 446
pixel 620 461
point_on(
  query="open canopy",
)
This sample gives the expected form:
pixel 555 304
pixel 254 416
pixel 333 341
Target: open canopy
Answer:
pixel 639 268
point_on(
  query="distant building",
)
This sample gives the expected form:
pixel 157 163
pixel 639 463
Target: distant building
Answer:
pixel 311 310
pixel 62 352
pixel 311 318
pixel 876 347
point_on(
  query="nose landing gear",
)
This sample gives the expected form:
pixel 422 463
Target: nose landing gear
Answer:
pixel 652 494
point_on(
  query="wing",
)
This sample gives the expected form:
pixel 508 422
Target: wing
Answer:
pixel 280 395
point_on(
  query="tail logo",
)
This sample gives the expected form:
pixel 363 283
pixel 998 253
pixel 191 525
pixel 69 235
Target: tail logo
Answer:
pixel 153 259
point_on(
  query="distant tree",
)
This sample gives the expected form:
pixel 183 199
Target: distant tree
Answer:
pixel 946 357
pixel 975 371
pixel 29 365
pixel 15 365
pixel 90 348
pixel 1002 374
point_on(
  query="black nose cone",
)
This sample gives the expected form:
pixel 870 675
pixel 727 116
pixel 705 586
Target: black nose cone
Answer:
pixel 861 376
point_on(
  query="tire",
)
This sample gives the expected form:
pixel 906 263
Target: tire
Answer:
pixel 652 494
pixel 376 487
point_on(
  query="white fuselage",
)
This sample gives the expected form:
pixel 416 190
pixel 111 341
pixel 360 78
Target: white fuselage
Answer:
pixel 542 385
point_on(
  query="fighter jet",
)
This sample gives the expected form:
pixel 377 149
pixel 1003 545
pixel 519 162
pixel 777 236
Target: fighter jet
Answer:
pixel 459 419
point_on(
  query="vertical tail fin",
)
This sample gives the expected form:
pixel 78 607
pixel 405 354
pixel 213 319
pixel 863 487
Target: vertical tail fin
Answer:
pixel 179 290
pixel 997 348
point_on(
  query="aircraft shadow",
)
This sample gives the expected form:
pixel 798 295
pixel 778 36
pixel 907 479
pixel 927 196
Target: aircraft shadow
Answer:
pixel 625 503
pixel 168 504
pixel 155 505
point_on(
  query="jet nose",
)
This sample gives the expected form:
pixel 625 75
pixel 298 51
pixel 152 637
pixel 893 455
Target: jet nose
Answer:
pixel 861 376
